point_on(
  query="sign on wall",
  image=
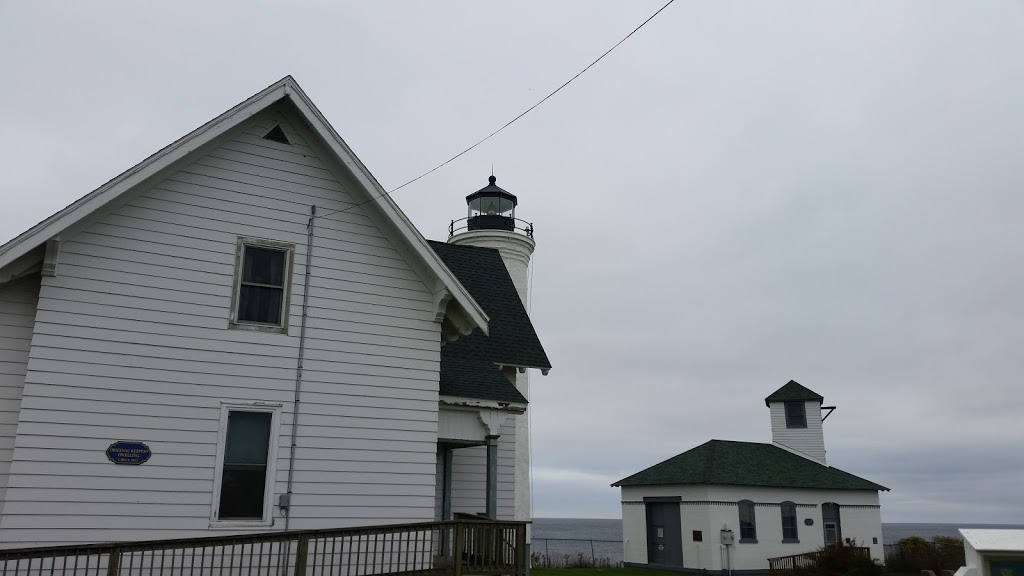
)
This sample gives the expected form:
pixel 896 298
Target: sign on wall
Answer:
pixel 122 452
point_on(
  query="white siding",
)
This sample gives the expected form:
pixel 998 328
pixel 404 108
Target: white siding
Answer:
pixel 859 516
pixel 132 342
pixel 469 475
pixel 17 315
pixel 809 441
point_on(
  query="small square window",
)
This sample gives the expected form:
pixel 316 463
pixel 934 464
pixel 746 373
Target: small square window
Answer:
pixel 262 285
pixel 796 415
pixel 698 536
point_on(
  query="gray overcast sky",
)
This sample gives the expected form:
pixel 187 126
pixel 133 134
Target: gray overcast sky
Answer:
pixel 741 194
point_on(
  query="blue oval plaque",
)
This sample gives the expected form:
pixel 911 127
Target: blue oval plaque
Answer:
pixel 122 452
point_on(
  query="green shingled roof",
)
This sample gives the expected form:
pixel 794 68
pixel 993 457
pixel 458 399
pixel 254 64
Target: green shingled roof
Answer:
pixel 793 391
pixel 746 464
pixel 469 365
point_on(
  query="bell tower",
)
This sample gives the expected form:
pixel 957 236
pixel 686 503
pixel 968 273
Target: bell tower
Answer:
pixel 796 415
pixel 491 223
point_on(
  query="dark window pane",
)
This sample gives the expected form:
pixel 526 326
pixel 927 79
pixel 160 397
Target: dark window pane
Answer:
pixel 796 417
pixel 248 438
pixel 244 477
pixel 259 304
pixel 789 524
pixel 748 530
pixel 263 266
pixel 241 492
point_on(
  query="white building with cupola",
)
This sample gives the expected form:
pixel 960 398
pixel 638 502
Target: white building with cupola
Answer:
pixel 728 507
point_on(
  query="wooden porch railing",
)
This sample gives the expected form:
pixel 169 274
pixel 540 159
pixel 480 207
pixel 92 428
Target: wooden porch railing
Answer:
pixel 434 548
pixel 785 565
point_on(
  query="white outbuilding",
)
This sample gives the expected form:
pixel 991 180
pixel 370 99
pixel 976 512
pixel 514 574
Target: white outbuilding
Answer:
pixel 729 506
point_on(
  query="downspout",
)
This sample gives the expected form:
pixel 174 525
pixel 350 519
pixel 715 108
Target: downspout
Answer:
pixel 285 501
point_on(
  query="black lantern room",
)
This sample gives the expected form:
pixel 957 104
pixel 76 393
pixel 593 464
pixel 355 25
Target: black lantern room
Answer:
pixel 491 208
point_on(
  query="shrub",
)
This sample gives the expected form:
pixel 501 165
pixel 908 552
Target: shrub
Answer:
pixel 914 554
pixel 840 560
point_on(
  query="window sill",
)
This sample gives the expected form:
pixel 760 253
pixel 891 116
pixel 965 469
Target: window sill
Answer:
pixel 258 327
pixel 237 524
pixel 790 541
pixel 748 540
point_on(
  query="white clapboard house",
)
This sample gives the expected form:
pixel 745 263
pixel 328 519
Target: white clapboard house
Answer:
pixel 728 507
pixel 243 333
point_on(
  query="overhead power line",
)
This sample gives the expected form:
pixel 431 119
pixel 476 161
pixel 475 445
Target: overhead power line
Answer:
pixel 512 121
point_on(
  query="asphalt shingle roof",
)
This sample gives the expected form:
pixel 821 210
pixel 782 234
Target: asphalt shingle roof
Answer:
pixel 746 464
pixel 793 391
pixel 469 365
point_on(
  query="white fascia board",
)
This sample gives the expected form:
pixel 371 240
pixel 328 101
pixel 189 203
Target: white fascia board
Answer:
pixel 385 204
pixel 457 402
pixel 93 201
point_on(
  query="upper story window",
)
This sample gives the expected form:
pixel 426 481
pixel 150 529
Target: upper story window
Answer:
pixel 796 415
pixel 789 523
pixel 262 285
pixel 748 525
pixel 244 483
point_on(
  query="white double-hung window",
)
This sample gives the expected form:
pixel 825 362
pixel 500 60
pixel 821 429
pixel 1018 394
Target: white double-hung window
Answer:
pixel 246 463
pixel 262 288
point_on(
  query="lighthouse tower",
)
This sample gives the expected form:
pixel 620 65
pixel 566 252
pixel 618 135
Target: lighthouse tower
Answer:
pixel 492 223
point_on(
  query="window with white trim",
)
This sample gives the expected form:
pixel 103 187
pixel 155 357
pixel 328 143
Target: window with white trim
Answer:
pixel 263 270
pixel 748 525
pixel 246 455
pixel 790 533
pixel 796 415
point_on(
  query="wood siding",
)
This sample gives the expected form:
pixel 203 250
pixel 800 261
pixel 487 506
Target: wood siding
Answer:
pixel 132 343
pixel 469 475
pixel 17 315
pixel 809 441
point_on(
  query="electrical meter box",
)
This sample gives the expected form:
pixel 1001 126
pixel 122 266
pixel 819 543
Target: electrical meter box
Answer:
pixel 728 538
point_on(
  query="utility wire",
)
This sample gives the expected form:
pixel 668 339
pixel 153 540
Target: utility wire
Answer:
pixel 510 122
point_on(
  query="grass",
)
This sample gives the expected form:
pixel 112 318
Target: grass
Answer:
pixel 602 572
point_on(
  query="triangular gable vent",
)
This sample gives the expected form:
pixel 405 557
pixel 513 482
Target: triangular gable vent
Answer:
pixel 277 135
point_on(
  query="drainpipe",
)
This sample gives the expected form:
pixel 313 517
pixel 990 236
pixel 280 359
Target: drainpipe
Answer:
pixel 285 501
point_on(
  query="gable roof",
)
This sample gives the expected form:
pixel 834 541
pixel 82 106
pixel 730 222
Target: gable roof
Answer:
pixel 286 89
pixel 793 391
pixel 469 366
pixel 746 464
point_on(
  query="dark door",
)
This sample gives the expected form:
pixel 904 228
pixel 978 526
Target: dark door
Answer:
pixel 664 534
pixel 831 524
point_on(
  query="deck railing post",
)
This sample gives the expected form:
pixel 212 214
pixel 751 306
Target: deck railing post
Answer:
pixel 457 552
pixel 113 561
pixel 301 551
pixel 521 552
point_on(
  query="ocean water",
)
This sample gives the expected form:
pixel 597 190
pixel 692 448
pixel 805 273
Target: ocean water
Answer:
pixel 558 537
